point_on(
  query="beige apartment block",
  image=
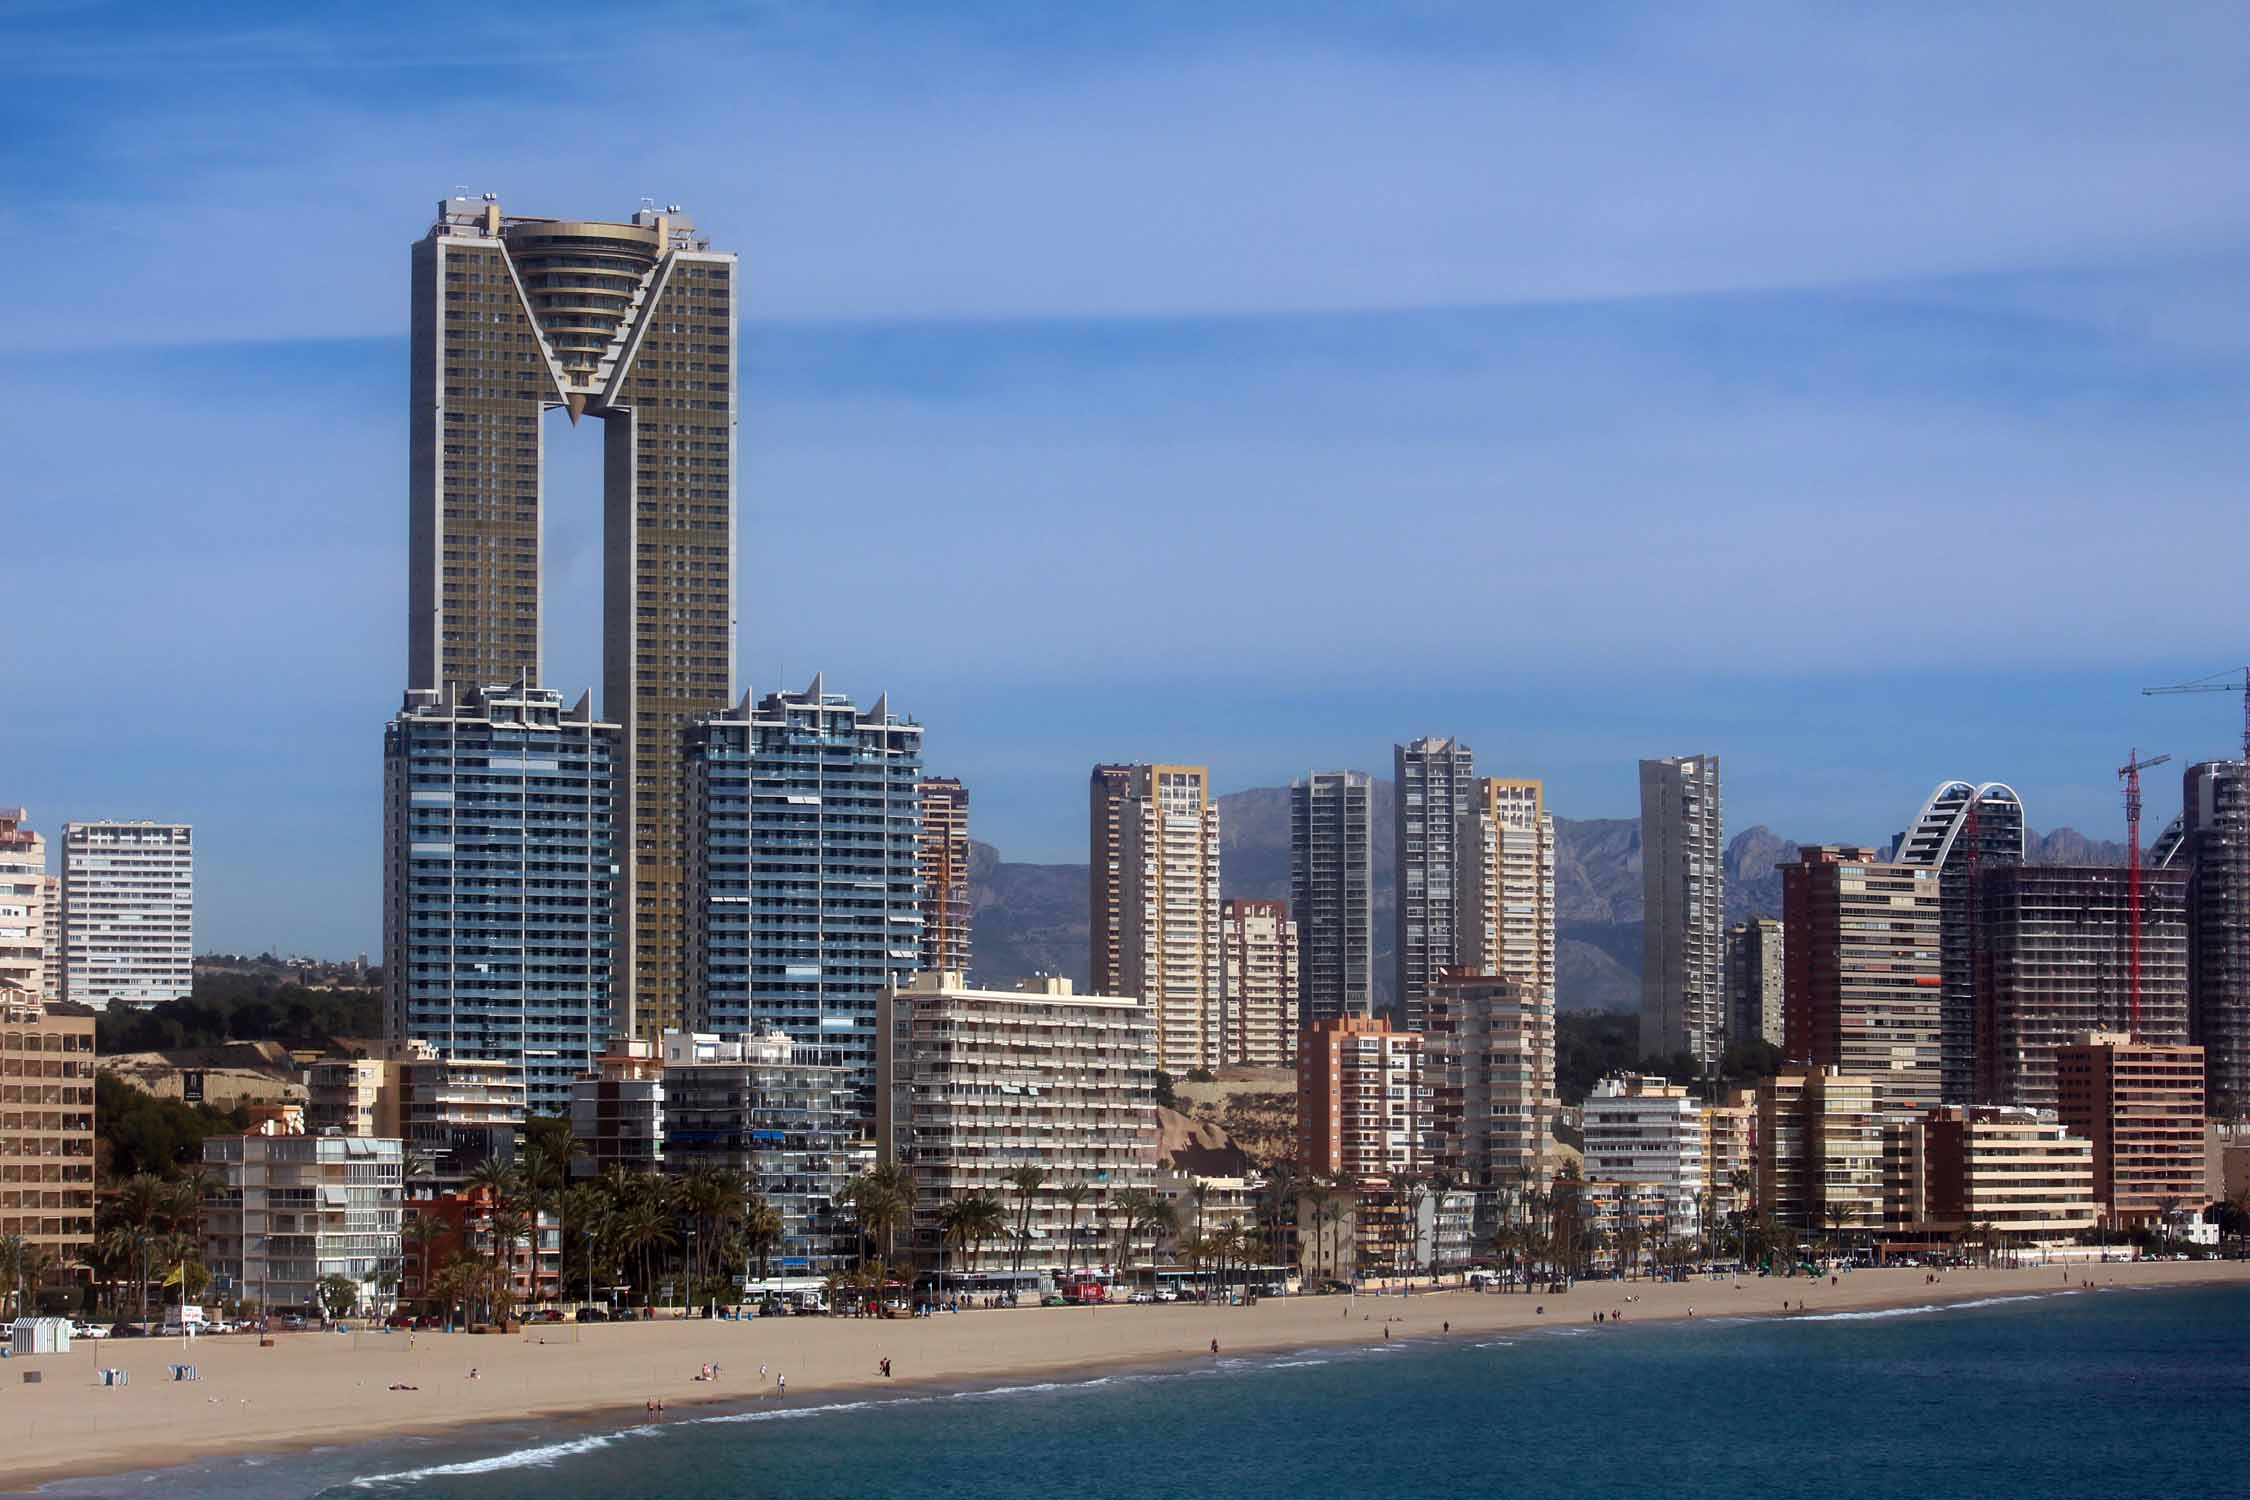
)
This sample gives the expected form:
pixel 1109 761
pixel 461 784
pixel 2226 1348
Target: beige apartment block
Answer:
pixel 1506 885
pixel 632 323
pixel 1169 910
pixel 1820 1151
pixel 942 852
pixel 1489 1080
pixel 1863 971
pixel 972 1084
pixel 1260 981
pixel 24 917
pixel 128 913
pixel 1988 1166
pixel 1363 1101
pixel 451 1112
pixel 47 1128
pixel 2141 1105
pixel 1730 1159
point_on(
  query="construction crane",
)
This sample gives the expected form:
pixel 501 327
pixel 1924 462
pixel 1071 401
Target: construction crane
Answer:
pixel 2130 774
pixel 2217 682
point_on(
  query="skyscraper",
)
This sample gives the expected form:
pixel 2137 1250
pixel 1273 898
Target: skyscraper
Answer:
pixel 944 854
pixel 500 882
pixel 1860 970
pixel 1168 860
pixel 1963 829
pixel 632 323
pixel 2052 949
pixel 128 913
pixel 1260 962
pixel 1683 909
pixel 1331 864
pixel 1505 886
pixel 1435 784
pixel 1754 961
pixel 23 908
pixel 2218 908
pixel 806 891
pixel 1106 794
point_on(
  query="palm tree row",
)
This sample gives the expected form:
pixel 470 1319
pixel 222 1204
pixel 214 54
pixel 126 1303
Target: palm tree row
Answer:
pixel 144 1229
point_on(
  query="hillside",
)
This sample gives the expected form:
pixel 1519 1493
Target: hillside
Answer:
pixel 1032 918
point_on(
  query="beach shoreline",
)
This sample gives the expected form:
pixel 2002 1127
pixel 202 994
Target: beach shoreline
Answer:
pixel 326 1390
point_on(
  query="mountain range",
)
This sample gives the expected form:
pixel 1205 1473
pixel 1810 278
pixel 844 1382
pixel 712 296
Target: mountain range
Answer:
pixel 1031 919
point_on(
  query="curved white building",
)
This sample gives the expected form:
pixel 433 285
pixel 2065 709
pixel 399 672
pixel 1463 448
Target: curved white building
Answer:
pixel 1938 837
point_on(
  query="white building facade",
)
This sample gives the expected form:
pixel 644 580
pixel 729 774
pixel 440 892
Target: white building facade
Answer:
pixel 128 913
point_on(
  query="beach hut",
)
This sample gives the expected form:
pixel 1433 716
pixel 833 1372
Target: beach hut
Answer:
pixel 40 1336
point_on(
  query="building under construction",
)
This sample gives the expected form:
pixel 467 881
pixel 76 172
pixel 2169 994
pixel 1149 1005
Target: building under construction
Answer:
pixel 2052 956
pixel 2216 862
pixel 1962 829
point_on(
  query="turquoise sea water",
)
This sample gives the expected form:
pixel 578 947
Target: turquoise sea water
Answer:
pixel 2095 1394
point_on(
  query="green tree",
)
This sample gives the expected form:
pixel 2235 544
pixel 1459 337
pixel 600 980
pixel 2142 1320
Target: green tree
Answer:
pixel 339 1295
pixel 1027 1181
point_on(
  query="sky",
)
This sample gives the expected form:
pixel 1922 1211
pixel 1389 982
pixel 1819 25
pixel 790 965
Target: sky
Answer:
pixel 1857 393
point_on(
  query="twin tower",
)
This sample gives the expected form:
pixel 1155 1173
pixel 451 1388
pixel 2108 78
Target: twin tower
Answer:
pixel 632 324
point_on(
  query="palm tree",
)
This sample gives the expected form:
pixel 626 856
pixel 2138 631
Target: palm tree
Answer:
pixel 1838 1214
pixel 762 1230
pixel 422 1233
pixel 883 1200
pixel 1319 1194
pixel 11 1268
pixel 494 1180
pixel 508 1228
pixel 135 1214
pixel 1027 1180
pixel 1074 1196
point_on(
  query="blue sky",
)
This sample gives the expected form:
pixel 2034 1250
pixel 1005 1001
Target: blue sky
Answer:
pixel 1858 395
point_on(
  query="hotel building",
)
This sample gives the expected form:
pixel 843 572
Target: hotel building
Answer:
pixel 976 1083
pixel 632 323
pixel 2014 1170
pixel 1647 1132
pixel 500 898
pixel 47 1128
pixel 128 913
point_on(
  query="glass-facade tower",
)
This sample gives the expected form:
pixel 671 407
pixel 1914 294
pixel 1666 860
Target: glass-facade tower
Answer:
pixel 501 873
pixel 805 895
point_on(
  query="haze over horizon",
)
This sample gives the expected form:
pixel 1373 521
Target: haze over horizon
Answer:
pixel 1855 397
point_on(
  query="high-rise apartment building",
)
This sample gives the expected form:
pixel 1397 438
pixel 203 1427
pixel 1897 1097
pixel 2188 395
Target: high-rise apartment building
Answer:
pixel 944 855
pixel 501 881
pixel 805 887
pixel 1331 892
pixel 2052 945
pixel 1820 1151
pixel 2141 1104
pixel 1489 1076
pixel 1730 1161
pixel 1683 909
pixel 632 323
pixel 1435 785
pixel 1107 792
pixel 23 908
pixel 1504 883
pixel 1259 980
pixel 1162 835
pixel 47 1151
pixel 1861 970
pixel 2217 859
pixel 1963 829
pixel 1754 981
pixel 51 968
pixel 1363 1100
pixel 128 913
pixel 976 1083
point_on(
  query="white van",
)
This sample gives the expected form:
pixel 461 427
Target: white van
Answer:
pixel 183 1321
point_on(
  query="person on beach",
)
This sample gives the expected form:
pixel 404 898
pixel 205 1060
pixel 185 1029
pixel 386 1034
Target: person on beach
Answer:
pixel 1215 1347
pixel 886 1369
pixel 781 1385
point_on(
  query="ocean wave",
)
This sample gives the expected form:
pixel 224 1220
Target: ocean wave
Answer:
pixel 1295 1364
pixel 538 1457
pixel 1919 1308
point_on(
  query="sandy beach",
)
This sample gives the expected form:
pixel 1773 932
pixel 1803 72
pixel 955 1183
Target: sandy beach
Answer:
pixel 315 1388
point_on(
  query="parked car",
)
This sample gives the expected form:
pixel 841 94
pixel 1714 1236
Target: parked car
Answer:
pixel 592 1315
pixel 128 1331
pixel 90 1331
pixel 1142 1297
pixel 292 1323
pixel 544 1315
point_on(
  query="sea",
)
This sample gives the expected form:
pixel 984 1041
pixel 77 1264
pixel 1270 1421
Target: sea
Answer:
pixel 2053 1395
